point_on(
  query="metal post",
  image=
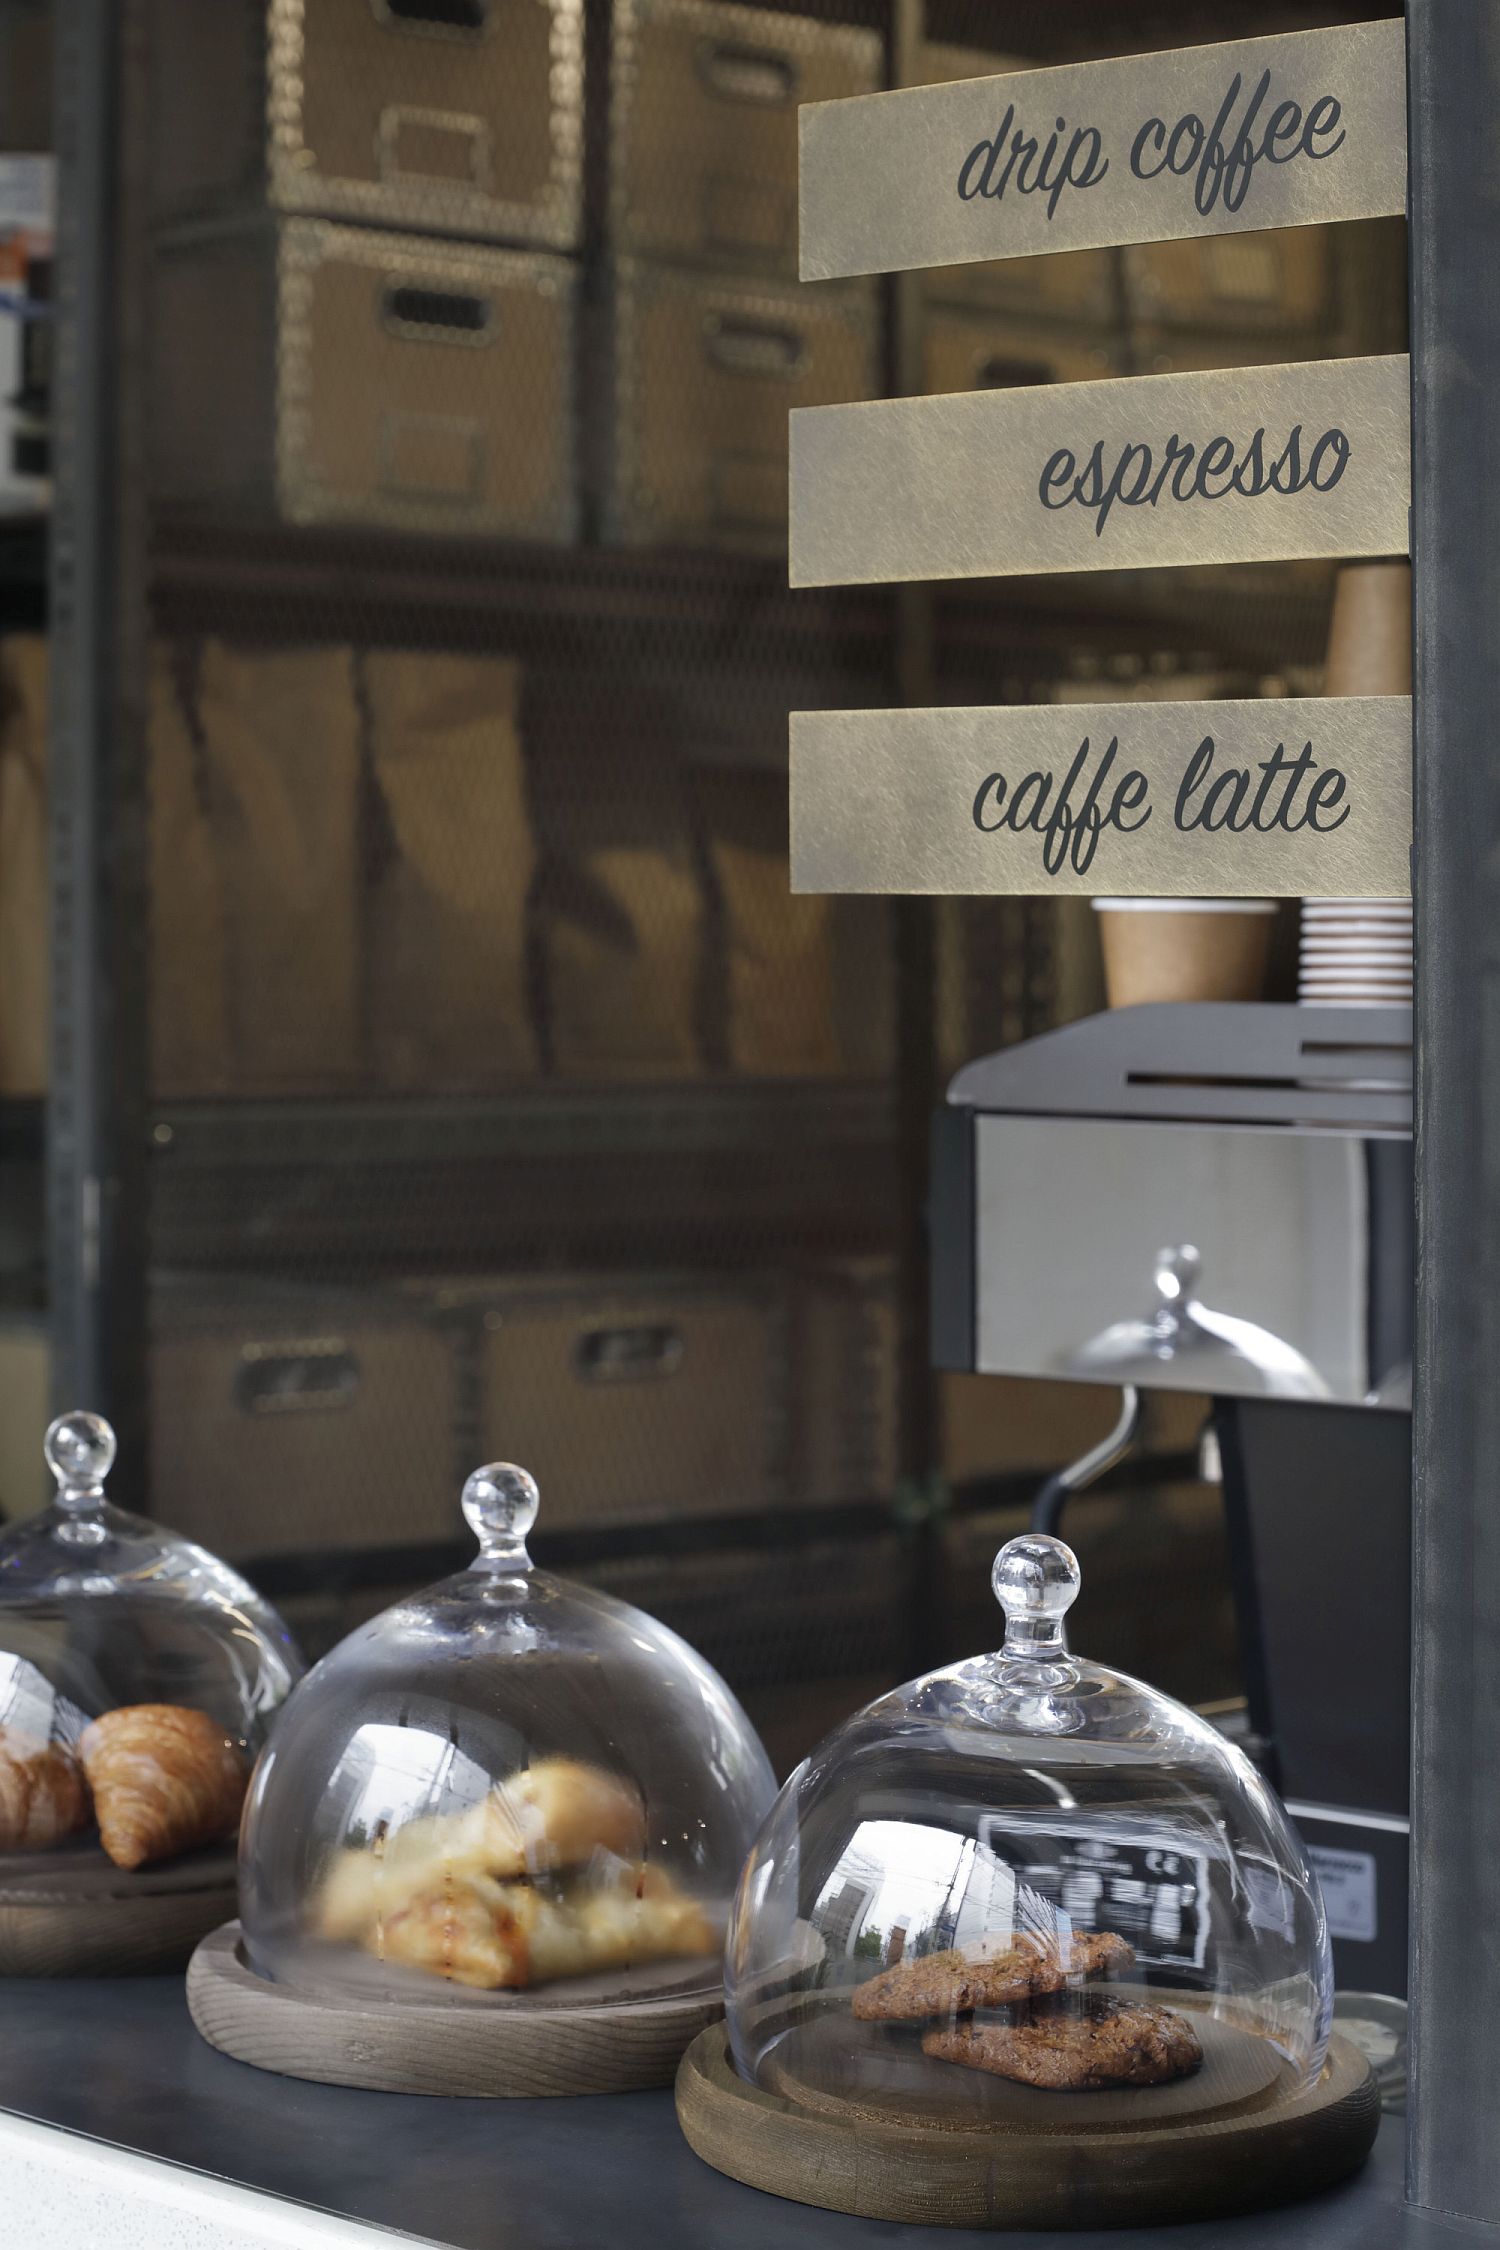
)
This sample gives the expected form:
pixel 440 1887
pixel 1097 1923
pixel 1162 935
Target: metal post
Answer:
pixel 97 1090
pixel 1454 2146
pixel 916 969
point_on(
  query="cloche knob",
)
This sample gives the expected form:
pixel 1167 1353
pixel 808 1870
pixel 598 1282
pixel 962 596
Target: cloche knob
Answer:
pixel 501 1503
pixel 80 1450
pixel 1177 1271
pixel 1036 1581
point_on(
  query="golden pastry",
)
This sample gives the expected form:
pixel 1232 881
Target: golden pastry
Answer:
pixel 553 1815
pixel 1105 2043
pixel 164 1778
pixel 497 1936
pixel 954 1984
pixel 43 1795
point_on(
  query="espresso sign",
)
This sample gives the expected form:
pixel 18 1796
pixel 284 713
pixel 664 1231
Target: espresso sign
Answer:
pixel 1242 464
pixel 1268 799
pixel 1279 132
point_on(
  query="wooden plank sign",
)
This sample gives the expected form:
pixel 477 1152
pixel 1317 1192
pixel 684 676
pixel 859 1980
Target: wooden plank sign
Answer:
pixel 1274 798
pixel 1275 132
pixel 1252 464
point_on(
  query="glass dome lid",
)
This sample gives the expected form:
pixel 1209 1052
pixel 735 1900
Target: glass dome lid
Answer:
pixel 510 1784
pixel 1026 1887
pixel 138 1674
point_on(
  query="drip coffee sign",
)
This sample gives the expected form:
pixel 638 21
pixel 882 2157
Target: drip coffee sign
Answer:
pixel 1236 465
pixel 1282 132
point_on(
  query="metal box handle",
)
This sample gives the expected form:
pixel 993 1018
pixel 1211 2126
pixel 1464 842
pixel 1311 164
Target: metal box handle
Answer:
pixel 641 1352
pixel 307 1375
pixel 739 73
pixel 428 315
pixel 452 19
pixel 741 346
pixel 998 371
pixel 437 146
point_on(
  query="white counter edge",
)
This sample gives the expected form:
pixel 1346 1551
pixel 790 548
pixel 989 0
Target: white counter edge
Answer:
pixel 61 2191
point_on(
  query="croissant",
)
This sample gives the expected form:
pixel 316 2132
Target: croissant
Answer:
pixel 554 1814
pixel 43 1795
pixel 164 1778
pixel 505 1935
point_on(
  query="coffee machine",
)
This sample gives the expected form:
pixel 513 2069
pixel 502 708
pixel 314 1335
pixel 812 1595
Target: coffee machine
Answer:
pixel 1218 1199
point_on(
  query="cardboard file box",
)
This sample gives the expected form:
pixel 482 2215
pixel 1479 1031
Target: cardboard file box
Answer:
pixel 460 117
pixel 330 375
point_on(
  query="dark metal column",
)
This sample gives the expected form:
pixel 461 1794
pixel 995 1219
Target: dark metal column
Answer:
pixel 916 982
pixel 96 1105
pixel 1454 2144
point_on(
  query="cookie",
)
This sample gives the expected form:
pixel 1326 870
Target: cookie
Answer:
pixel 954 1984
pixel 1106 2043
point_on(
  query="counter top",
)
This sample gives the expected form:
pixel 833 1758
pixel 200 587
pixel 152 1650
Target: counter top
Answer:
pixel 118 2061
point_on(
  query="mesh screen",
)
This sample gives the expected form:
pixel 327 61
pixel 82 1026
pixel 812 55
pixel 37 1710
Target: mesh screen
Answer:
pixel 503 1100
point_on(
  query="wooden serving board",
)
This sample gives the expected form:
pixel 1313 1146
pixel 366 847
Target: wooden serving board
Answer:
pixel 839 2067
pixel 1270 2146
pixel 583 2038
pixel 73 1913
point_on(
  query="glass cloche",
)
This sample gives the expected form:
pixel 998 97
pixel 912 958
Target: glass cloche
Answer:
pixel 509 1785
pixel 138 1675
pixel 1027 1889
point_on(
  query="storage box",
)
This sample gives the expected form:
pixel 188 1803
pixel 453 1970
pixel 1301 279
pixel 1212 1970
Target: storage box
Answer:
pixel 706 370
pixel 794 1612
pixel 845 1384
pixel 1279 280
pixel 971 351
pixel 704 125
pixel 287 1420
pixel 332 375
pixel 25 1389
pixel 455 116
pixel 636 1400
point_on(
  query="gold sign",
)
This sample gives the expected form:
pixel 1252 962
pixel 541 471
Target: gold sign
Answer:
pixel 1296 798
pixel 1242 464
pixel 1277 132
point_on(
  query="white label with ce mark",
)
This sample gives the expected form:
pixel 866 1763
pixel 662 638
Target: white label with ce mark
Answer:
pixel 1348 1883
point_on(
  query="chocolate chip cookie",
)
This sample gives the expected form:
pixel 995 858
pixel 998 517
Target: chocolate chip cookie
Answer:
pixel 1106 2043
pixel 954 1984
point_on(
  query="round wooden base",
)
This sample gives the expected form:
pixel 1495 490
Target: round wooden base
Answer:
pixel 74 1914
pixel 495 2044
pixel 1270 2146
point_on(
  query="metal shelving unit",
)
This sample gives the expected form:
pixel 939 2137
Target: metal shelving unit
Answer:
pixel 708 648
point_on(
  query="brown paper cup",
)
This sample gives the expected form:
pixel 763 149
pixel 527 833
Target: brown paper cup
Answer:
pixel 1189 952
pixel 1369 634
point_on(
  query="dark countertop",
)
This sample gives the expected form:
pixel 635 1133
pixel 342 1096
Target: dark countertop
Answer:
pixel 119 2060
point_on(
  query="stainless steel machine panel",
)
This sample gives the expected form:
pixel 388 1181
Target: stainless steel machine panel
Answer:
pixel 1191 1257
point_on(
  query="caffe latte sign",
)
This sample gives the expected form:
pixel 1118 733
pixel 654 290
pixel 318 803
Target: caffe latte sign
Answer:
pixel 1252 464
pixel 1272 798
pixel 1278 132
